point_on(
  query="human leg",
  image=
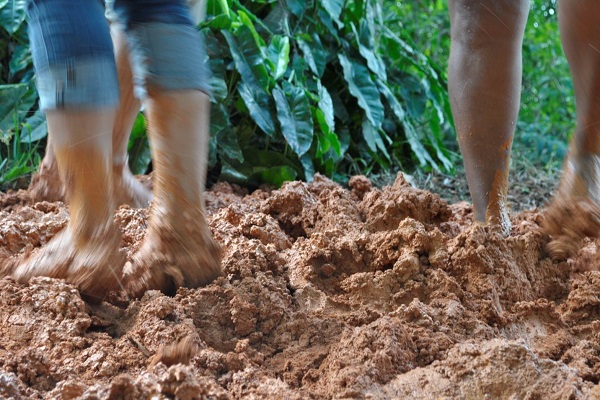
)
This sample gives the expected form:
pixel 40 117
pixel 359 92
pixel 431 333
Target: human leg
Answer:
pixel 574 210
pixel 484 84
pixel 127 189
pixel 77 81
pixel 46 183
pixel 178 248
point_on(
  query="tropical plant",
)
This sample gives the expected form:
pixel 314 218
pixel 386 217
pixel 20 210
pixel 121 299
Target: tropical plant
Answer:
pixel 21 126
pixel 305 86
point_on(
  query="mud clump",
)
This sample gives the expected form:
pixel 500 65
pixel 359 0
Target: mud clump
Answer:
pixel 327 292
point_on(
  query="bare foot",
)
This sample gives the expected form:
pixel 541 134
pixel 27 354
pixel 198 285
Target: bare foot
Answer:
pixel 128 190
pixel 174 254
pixel 93 265
pixel 46 184
pixel 574 212
pixel 180 352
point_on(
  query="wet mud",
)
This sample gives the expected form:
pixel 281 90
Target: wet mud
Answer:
pixel 328 292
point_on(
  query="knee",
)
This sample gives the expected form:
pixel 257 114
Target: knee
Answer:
pixel 477 24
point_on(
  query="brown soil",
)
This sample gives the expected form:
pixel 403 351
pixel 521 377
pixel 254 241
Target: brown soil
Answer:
pixel 327 293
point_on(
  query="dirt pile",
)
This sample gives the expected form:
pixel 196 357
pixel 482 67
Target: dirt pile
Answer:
pixel 328 293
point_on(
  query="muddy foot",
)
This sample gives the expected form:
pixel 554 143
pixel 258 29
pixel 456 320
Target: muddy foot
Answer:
pixel 128 190
pixel 574 212
pixel 171 257
pixel 180 352
pixel 94 267
pixel 46 184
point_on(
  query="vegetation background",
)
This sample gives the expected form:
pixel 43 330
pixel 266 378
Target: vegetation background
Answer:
pixel 339 87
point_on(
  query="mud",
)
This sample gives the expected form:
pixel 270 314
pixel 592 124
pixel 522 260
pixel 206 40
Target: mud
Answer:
pixel 328 293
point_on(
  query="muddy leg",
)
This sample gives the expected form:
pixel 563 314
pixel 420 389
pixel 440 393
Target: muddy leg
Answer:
pixel 46 184
pixel 127 189
pixel 79 91
pixel 484 83
pixel 178 249
pixel 86 253
pixel 574 211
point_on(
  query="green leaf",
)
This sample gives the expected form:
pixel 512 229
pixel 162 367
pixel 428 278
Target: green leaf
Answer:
pixel 140 155
pixel 363 89
pixel 217 80
pixel 373 138
pixel 276 176
pixel 293 113
pixel 326 106
pixel 13 14
pixel 221 21
pixel 231 173
pixel 297 7
pixel 366 47
pixel 15 101
pixel 227 141
pixel 247 21
pixel 258 103
pixel 334 9
pixel 278 54
pixel 309 167
pixel 314 54
pixel 35 128
pixel 409 130
pixel 21 59
pixel 139 127
pixel 329 138
pixel 248 58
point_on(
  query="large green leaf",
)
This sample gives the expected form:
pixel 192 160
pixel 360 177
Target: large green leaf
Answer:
pixel 334 9
pixel 373 138
pixel 248 58
pixel 293 113
pixel 15 102
pixel 297 7
pixel 258 103
pixel 35 128
pixel 366 47
pixel 326 106
pixel 278 54
pixel 409 130
pixel 227 141
pixel 363 89
pixel 12 14
pixel 329 140
pixel 221 21
pixel 314 53
pixel 21 59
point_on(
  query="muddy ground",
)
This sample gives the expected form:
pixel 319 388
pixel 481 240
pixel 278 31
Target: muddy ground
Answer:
pixel 329 293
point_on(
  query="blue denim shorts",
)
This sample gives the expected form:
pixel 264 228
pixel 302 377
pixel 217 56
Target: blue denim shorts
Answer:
pixel 74 59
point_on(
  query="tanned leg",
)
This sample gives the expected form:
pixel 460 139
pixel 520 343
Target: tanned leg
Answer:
pixel 127 189
pixel 484 84
pixel 178 249
pixel 574 211
pixel 46 184
pixel 86 253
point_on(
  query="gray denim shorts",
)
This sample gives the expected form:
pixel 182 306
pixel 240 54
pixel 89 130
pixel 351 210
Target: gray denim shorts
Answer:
pixel 74 58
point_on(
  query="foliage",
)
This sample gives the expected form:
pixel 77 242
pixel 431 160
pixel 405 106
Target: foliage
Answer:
pixel 339 87
pixel 20 125
pixel 547 112
pixel 305 86
pixel 299 87
pixel 547 116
